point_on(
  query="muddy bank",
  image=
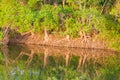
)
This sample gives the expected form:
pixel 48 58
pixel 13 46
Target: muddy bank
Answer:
pixel 55 40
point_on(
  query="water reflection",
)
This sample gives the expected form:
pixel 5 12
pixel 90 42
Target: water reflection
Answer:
pixel 30 62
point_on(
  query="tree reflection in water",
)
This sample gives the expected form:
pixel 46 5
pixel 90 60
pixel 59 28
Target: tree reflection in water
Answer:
pixel 30 62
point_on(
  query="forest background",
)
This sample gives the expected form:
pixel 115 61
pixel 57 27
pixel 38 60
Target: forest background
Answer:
pixel 73 18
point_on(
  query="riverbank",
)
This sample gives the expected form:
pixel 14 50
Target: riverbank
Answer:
pixel 60 41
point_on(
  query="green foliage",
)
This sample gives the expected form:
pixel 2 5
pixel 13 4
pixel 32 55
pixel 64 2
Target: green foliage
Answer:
pixel 75 16
pixel 1 35
pixel 72 28
pixel 47 17
pixel 1 56
pixel 8 12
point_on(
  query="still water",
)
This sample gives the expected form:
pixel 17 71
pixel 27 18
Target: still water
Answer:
pixel 30 62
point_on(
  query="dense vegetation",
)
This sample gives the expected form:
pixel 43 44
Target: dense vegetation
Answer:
pixel 64 17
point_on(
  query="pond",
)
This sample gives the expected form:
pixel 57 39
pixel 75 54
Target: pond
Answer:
pixel 34 62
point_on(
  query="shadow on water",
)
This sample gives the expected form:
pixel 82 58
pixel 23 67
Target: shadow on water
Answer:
pixel 30 62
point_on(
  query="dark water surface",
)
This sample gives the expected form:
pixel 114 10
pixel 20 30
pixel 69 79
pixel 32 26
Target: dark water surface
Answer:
pixel 23 62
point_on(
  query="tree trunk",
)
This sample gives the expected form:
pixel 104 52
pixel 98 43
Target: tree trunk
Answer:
pixel 46 38
pixel 63 2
